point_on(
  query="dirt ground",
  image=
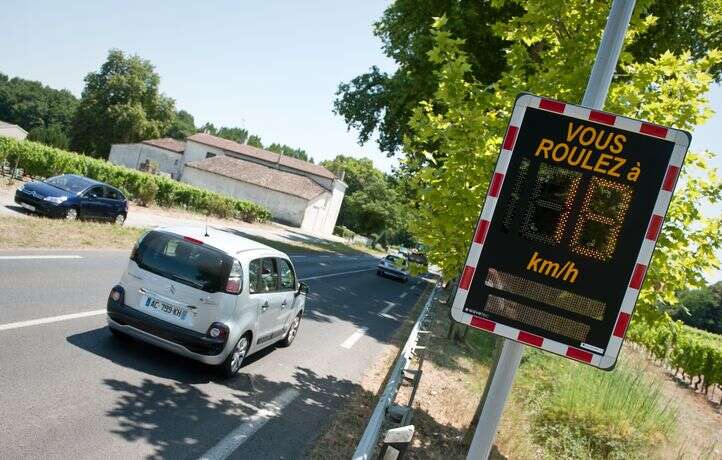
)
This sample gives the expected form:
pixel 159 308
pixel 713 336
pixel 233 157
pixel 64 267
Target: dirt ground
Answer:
pixel 699 430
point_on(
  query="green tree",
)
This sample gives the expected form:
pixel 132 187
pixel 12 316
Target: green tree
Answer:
pixel 702 308
pixel 239 135
pixel 553 45
pixel 373 204
pixel 255 141
pixel 30 104
pixel 53 136
pixel 284 149
pixel 383 102
pixel 121 103
pixel 182 126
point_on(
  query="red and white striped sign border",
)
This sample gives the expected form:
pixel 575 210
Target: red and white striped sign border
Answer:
pixel 606 361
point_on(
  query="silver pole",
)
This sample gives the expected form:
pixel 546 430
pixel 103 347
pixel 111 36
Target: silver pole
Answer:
pixel 501 380
pixel 503 371
pixel 608 54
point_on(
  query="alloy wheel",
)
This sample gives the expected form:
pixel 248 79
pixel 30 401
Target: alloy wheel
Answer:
pixel 71 214
pixel 238 354
pixel 119 219
pixel 294 329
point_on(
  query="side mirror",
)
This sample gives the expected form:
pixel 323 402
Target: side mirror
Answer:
pixel 302 289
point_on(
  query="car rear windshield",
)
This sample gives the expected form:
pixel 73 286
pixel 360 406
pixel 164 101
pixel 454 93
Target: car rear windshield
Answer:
pixel 73 184
pixel 185 261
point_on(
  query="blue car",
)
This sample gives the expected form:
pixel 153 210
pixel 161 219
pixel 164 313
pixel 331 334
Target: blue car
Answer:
pixel 73 197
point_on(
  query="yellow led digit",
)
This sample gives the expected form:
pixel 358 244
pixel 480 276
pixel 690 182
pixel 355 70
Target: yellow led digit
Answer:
pixel 551 203
pixel 603 212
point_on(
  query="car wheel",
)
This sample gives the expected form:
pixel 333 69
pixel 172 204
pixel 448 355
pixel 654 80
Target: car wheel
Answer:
pixel 71 214
pixel 120 220
pixel 292 331
pixel 234 361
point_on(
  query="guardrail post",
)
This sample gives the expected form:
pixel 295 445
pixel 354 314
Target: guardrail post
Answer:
pixel 397 442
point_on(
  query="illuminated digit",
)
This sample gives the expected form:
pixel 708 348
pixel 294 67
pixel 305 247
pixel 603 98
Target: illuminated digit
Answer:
pixel 603 212
pixel 550 205
pixel 515 194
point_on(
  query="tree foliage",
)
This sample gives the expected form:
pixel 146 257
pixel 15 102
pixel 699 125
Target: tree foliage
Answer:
pixel 702 308
pixel 121 103
pixel 255 141
pixel 53 136
pixel 30 105
pixel 553 45
pixel 373 204
pixel 284 149
pixel 380 101
pixel 383 102
pixel 182 126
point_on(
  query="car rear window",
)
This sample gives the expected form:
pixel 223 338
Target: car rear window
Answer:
pixel 193 264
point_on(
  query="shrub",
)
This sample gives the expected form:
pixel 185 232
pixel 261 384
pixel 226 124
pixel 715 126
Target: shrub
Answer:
pixel 588 413
pixel 41 160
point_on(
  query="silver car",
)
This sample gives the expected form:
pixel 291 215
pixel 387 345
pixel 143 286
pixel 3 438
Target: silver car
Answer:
pixel 208 295
pixel 394 266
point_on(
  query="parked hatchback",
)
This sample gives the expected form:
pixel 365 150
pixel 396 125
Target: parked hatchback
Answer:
pixel 73 197
pixel 208 295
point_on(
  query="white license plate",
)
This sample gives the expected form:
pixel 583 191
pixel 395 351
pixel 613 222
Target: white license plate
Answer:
pixel 27 206
pixel 155 305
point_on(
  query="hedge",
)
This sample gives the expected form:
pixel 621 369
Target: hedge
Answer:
pixel 41 160
pixel 695 353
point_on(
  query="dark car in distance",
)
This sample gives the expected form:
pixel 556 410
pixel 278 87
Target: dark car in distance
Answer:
pixel 73 197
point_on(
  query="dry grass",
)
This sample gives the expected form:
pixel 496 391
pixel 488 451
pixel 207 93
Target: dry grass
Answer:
pixel 43 233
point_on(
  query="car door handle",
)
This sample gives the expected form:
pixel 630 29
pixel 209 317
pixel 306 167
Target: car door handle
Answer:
pixel 284 303
pixel 264 307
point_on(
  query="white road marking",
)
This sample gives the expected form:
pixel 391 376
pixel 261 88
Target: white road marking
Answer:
pixel 40 257
pixel 52 319
pixel 297 257
pixel 336 274
pixel 403 295
pixel 385 311
pixel 237 437
pixel 353 338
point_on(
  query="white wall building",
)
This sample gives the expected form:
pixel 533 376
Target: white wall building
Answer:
pixel 296 192
pixel 167 153
pixel 12 131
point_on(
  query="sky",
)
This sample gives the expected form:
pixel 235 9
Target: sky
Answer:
pixel 271 67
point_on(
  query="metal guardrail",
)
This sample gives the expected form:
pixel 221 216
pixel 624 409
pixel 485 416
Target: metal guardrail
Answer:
pixel 367 444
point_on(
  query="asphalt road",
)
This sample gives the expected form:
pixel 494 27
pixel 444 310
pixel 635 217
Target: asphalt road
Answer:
pixel 68 389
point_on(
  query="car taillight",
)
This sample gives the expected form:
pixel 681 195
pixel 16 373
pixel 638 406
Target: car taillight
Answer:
pixel 218 331
pixel 233 286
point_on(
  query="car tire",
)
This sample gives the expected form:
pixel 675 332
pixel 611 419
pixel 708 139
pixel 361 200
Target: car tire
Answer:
pixel 119 220
pixel 233 362
pixel 292 332
pixel 72 214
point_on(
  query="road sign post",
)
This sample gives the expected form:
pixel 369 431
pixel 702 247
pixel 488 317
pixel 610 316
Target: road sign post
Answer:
pixel 503 370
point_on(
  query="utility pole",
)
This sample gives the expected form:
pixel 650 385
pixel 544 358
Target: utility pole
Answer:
pixel 503 370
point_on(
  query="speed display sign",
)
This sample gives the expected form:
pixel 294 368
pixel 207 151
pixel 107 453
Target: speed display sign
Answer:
pixel 566 233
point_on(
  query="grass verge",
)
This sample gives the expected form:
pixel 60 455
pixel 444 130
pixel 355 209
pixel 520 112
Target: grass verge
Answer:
pixel 43 233
pixel 557 409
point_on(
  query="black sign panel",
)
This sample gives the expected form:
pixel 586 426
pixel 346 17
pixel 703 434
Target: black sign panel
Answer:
pixel 575 196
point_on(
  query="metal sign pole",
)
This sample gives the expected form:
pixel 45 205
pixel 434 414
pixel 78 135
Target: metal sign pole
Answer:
pixel 503 371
